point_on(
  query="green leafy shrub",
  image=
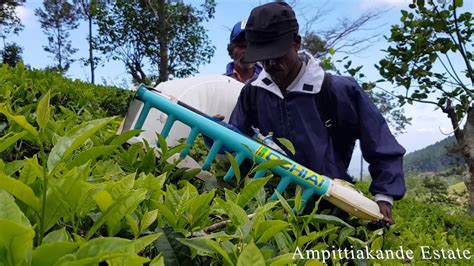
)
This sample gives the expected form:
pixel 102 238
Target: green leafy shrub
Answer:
pixel 72 193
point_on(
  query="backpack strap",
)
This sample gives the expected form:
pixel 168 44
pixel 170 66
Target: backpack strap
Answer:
pixel 325 103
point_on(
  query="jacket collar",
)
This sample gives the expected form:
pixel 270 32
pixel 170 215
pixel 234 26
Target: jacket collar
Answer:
pixel 309 79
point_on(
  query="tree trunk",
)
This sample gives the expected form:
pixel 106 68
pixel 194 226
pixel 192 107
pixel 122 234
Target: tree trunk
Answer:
pixel 91 53
pixel 60 57
pixel 163 37
pixel 465 140
pixel 468 153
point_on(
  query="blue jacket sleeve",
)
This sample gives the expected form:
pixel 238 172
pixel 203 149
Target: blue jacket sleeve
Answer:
pixel 379 147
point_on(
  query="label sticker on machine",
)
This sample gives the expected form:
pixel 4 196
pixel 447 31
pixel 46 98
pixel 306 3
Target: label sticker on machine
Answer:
pixel 294 169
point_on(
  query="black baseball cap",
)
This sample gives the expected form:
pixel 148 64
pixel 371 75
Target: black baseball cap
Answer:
pixel 270 31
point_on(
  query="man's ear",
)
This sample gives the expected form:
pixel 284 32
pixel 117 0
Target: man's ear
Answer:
pixel 230 48
pixel 297 42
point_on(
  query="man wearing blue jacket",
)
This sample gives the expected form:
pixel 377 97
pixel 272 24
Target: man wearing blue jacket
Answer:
pixel 237 69
pixel 283 100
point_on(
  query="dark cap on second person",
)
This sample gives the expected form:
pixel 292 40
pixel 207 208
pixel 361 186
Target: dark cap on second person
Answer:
pixel 270 31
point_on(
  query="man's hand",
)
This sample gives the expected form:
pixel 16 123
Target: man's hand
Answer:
pixel 386 211
pixel 219 117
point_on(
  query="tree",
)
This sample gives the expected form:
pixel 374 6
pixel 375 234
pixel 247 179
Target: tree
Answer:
pixel 168 36
pixel 57 19
pixel 11 54
pixel 87 10
pixel 432 37
pixel 9 21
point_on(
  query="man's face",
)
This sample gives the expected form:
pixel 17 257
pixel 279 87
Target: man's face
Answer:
pixel 280 68
pixel 238 54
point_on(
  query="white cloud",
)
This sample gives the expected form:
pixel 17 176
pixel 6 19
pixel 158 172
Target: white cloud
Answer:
pixel 437 130
pixel 24 13
pixel 371 4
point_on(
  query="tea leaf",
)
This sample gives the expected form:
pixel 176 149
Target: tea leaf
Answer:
pixel 10 211
pixel 158 261
pixel 198 208
pixel 143 242
pixel 49 253
pixel 377 243
pixel 234 165
pixel 268 229
pixel 11 168
pixel 269 164
pixel 282 260
pixel 175 150
pixel 98 249
pixel 236 214
pixel 60 235
pixel 344 233
pixel 118 210
pixel 250 190
pixel 20 191
pixel 91 154
pixel 16 242
pixel 31 171
pixel 251 255
pixel 168 214
pixel 173 251
pixel 103 199
pixel 230 195
pixel 122 138
pixel 298 199
pixel 43 111
pixel 162 145
pixel 66 194
pixel 6 141
pixel 215 246
pixel 259 214
pixel 189 174
pixel 122 187
pixel 66 145
pixel 21 120
pixel 286 206
pixel 148 218
pixel 200 244
pixel 288 145
pixel 133 225
pixel 313 236
pixel 325 219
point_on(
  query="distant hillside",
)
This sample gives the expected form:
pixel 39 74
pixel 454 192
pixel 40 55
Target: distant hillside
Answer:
pixel 438 157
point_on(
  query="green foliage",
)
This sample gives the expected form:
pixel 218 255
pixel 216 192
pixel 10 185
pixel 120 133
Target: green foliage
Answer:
pixel 9 20
pixel 87 10
pixel 430 35
pixel 77 196
pixel 174 46
pixel 11 54
pixel 57 18
pixel 434 158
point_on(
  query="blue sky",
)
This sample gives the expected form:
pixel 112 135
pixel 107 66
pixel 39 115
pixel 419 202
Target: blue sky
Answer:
pixel 428 125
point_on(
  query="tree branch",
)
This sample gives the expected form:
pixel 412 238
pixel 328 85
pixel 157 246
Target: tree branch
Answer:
pixel 462 48
pixel 215 227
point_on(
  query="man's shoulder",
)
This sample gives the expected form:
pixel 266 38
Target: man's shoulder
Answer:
pixel 344 85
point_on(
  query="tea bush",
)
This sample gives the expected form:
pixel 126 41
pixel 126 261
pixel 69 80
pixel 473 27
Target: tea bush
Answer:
pixel 71 193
